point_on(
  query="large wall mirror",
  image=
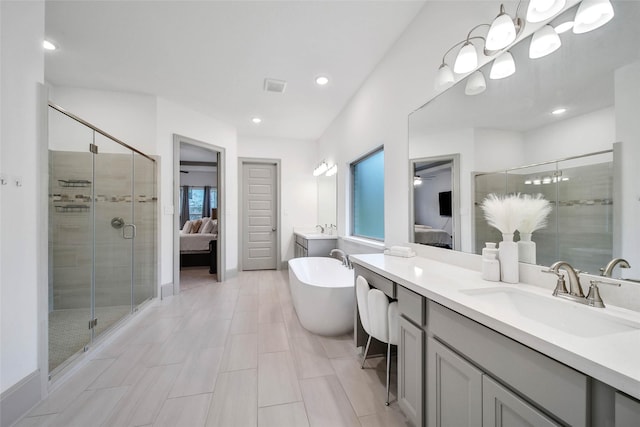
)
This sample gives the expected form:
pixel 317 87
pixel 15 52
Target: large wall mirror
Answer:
pixel 327 198
pixel 507 139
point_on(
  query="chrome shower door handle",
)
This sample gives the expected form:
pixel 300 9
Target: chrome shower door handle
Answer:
pixel 129 231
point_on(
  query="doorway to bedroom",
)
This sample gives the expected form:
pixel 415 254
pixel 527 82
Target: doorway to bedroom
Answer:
pixel 197 212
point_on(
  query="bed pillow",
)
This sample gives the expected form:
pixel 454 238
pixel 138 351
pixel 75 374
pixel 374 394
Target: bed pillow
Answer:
pixel 195 226
pixel 214 229
pixel 207 227
pixel 186 228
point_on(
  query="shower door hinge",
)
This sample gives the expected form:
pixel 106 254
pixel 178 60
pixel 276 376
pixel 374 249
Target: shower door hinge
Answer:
pixel 93 148
pixel 93 323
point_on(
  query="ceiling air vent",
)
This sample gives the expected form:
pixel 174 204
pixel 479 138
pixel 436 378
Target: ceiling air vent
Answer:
pixel 273 85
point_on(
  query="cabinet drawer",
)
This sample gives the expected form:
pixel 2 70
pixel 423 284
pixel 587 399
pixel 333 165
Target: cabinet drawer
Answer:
pixel 377 281
pixel 411 305
pixel 543 381
pixel 301 241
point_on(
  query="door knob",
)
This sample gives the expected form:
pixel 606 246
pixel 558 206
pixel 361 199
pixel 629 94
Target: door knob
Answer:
pixel 273 229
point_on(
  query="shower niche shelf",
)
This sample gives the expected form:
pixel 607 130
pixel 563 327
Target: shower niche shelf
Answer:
pixel 74 183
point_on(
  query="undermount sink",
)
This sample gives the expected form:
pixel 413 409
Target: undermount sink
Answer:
pixel 565 316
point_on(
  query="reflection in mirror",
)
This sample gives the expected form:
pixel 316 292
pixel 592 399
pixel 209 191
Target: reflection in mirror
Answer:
pixel 327 209
pixel 594 78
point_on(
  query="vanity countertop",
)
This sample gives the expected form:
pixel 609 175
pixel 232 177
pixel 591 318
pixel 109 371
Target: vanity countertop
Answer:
pixel 611 358
pixel 316 235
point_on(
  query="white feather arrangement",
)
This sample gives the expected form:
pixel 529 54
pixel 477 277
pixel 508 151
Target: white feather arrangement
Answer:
pixel 503 212
pixel 535 210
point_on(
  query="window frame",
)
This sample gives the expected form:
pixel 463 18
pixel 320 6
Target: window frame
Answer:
pixel 352 189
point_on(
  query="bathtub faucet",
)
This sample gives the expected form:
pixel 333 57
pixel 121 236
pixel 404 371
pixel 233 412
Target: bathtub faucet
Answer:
pixel 339 254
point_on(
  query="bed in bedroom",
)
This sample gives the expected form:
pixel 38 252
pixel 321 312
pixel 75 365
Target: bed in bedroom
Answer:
pixel 426 235
pixel 198 244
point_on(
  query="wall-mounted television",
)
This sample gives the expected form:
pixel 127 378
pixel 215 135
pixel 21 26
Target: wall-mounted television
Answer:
pixel 444 198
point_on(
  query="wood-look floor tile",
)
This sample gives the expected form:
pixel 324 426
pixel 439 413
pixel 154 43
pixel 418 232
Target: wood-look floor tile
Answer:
pixel 341 346
pixel 62 397
pixel 198 375
pixel 241 352
pixel 366 394
pixel 235 400
pixel 143 400
pixel 288 415
pixel 390 416
pixel 247 303
pixel 272 337
pixel 277 380
pixel 244 322
pixel 310 358
pixel 91 408
pixel 270 312
pixel 215 334
pixel 38 421
pixel 184 411
pixel 326 403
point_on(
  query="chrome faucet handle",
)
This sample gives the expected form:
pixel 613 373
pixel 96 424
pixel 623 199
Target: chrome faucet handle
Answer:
pixel 593 297
pixel 561 287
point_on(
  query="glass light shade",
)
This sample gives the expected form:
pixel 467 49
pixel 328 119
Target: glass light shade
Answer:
pixel 503 66
pixel 541 10
pixel 332 170
pixel 444 78
pixel 544 42
pixel 564 27
pixel 476 84
pixel 592 14
pixel 501 33
pixel 467 59
pixel 417 181
pixel 322 168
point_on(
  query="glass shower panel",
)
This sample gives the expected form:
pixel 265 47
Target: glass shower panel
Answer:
pixel 585 211
pixel 114 232
pixel 144 218
pixel 534 180
pixel 485 184
pixel 70 238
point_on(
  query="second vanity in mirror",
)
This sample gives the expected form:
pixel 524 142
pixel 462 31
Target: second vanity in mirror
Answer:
pixel 508 140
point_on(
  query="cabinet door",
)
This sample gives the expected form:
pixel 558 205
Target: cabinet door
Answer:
pixel 501 408
pixel 627 411
pixel 411 371
pixel 454 389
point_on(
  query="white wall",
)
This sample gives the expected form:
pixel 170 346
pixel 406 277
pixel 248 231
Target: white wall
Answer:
pixel 22 69
pixel 199 179
pixel 298 158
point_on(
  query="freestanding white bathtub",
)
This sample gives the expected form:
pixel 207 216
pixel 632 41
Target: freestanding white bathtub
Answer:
pixel 323 294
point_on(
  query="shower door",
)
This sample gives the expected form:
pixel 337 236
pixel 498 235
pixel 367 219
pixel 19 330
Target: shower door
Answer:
pixel 114 233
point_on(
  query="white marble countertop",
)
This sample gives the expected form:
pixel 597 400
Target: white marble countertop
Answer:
pixel 316 235
pixel 613 359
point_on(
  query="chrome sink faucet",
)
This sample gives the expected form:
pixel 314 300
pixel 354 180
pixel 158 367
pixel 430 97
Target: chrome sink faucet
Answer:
pixel 321 228
pixel 608 270
pixel 575 293
pixel 335 253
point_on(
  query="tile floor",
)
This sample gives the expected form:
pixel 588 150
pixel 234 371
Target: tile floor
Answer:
pixel 222 354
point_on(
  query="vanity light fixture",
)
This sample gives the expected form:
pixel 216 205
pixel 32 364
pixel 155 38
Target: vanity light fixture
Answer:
pixel 444 78
pixel 564 27
pixel 417 181
pixel 543 42
pixel 332 170
pixel 47 45
pixel 476 84
pixel 592 14
pixel 559 111
pixel 322 80
pixel 503 66
pixel 541 10
pixel 528 182
pixel 467 59
pixel 502 31
pixel 256 120
pixel 322 168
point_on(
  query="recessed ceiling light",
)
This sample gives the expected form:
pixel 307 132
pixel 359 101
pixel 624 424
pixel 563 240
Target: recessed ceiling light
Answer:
pixel 256 120
pixel 564 27
pixel 48 45
pixel 559 111
pixel 322 80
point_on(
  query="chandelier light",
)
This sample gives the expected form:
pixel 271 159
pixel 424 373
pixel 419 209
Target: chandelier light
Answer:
pixel 503 66
pixel 544 42
pixel 592 14
pixel 541 10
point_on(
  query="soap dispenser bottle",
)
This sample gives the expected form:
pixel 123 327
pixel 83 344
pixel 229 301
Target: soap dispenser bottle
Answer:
pixel 490 263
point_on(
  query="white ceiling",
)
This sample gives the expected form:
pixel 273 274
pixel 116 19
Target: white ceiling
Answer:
pixel 214 55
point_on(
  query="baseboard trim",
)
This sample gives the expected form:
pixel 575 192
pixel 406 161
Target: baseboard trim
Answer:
pixel 17 400
pixel 166 290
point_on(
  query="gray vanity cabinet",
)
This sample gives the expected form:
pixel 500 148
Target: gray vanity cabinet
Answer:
pixel 454 388
pixel 502 408
pixel 313 247
pixel 411 371
pixel 627 411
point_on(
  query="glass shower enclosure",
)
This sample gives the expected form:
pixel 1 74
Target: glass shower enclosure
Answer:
pixel 102 233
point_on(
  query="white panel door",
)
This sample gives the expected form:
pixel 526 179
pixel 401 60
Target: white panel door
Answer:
pixel 259 216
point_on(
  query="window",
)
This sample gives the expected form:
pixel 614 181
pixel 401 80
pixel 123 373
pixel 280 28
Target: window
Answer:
pixel 194 198
pixel 367 196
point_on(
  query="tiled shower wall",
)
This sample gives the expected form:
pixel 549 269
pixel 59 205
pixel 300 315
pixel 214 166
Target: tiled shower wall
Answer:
pixel 71 229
